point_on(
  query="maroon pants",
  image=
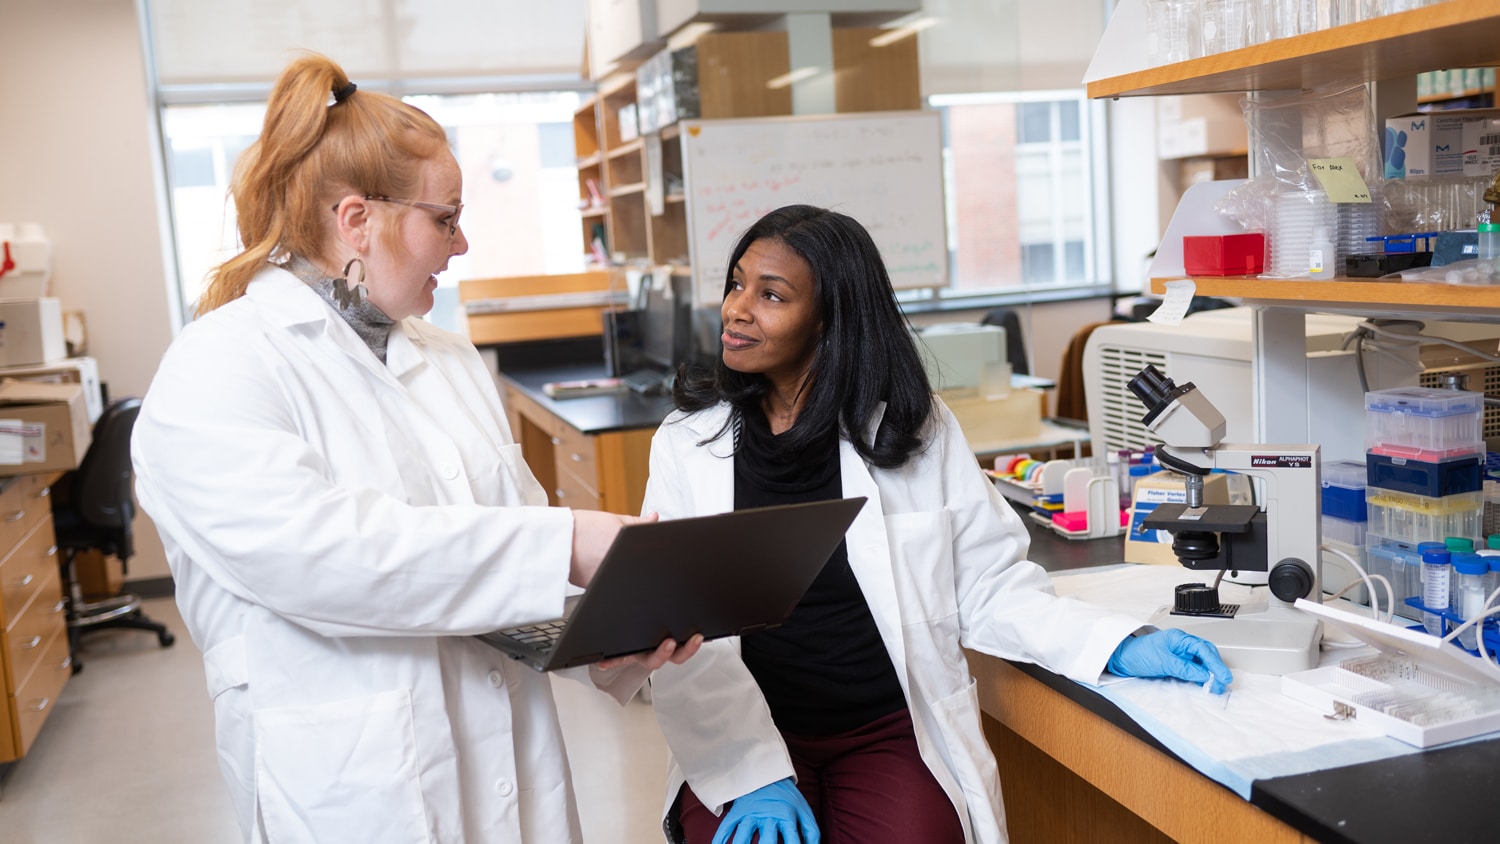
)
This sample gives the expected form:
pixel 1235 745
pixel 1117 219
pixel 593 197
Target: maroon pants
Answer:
pixel 866 786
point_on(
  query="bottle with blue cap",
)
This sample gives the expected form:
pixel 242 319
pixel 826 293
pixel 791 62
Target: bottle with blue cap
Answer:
pixel 1469 571
pixel 1436 571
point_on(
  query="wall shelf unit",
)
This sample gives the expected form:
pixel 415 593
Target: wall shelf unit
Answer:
pixel 1352 295
pixel 1458 33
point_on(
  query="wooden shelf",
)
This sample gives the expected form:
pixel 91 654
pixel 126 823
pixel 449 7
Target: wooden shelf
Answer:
pixel 627 190
pixel 594 211
pixel 625 149
pixel 675 197
pixel 590 161
pixel 1461 95
pixel 1352 295
pixel 1457 33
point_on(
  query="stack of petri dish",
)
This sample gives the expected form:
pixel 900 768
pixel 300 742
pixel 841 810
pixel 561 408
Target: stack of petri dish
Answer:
pixel 1358 221
pixel 1294 215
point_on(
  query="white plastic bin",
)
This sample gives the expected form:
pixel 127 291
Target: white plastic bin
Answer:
pixel 26 251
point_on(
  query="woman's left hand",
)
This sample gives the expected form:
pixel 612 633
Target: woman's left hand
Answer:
pixel 1171 653
pixel 667 651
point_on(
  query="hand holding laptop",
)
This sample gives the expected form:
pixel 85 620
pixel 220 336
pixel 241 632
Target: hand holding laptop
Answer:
pixel 593 532
pixel 667 651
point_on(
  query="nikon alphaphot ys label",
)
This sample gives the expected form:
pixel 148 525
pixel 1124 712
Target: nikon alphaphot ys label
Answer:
pixel 1281 461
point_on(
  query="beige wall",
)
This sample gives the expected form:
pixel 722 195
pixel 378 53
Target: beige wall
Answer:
pixel 76 155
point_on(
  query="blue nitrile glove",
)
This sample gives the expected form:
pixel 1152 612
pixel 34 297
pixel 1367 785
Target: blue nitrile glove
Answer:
pixel 1171 653
pixel 771 810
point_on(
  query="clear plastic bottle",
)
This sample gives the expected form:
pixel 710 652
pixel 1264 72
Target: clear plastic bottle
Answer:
pixel 1320 259
pixel 1489 241
pixel 1436 572
pixel 1469 571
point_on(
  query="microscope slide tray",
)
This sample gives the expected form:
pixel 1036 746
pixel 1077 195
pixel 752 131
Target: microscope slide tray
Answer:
pixel 1441 670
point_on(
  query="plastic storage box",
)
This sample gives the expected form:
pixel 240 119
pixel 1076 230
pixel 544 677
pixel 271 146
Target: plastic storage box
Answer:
pixel 1398 562
pixel 1424 423
pixel 1447 476
pixel 1344 490
pixel 1421 518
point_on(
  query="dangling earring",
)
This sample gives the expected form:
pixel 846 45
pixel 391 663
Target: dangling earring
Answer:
pixel 351 297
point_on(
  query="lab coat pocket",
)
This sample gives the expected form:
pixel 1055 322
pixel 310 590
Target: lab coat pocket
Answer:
pixel 340 771
pixel 922 564
pixel 973 764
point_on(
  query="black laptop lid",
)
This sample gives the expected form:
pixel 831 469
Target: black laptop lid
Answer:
pixel 721 575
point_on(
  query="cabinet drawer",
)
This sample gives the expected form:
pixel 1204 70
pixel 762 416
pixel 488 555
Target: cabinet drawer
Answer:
pixel 25 570
pixel 574 452
pixel 14 518
pixel 37 696
pixel 36 498
pixel 30 632
pixel 574 493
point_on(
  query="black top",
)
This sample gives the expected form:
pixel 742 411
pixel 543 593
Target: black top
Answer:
pixel 826 670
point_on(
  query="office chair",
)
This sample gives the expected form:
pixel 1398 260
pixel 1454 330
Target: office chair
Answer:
pixel 1015 344
pixel 92 508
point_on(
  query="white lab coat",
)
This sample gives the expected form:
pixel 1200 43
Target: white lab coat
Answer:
pixel 940 558
pixel 335 526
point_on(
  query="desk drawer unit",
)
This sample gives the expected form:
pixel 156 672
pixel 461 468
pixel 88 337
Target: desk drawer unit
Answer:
pixel 571 491
pixel 573 453
pixel 36 696
pixel 26 568
pixel 29 633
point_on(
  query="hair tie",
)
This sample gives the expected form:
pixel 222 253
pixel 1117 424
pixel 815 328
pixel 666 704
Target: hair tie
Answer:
pixel 344 93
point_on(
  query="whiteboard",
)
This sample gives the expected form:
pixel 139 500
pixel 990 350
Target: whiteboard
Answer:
pixel 883 169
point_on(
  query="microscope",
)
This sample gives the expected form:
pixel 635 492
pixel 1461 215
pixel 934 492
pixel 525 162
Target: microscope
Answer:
pixel 1273 544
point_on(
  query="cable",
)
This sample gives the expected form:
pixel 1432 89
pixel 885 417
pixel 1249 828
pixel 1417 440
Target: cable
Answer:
pixel 1376 327
pixel 1369 587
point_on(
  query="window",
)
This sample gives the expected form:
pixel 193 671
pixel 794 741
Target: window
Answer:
pixel 516 152
pixel 1022 189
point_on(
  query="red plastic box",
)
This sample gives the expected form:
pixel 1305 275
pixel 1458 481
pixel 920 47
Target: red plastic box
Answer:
pixel 1224 254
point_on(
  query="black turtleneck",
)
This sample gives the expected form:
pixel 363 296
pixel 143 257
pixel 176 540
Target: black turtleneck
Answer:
pixel 826 670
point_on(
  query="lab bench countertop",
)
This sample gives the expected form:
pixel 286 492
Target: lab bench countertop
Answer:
pixel 1436 795
pixel 600 413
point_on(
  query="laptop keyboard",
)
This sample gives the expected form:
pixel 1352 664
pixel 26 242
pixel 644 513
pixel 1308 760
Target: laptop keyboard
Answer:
pixel 540 636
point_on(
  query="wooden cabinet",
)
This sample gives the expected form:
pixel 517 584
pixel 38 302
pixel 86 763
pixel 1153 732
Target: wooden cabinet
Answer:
pixel 604 471
pixel 33 629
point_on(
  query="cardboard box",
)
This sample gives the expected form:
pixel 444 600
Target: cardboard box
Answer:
pixel 43 427
pixel 31 332
pixel 1155 546
pixel 98 576
pixel 1437 143
pixel 83 371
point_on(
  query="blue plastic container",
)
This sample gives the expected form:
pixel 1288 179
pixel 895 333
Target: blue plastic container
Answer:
pixel 1448 476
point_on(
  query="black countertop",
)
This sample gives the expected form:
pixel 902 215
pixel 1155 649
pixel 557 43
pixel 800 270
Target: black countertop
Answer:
pixel 601 413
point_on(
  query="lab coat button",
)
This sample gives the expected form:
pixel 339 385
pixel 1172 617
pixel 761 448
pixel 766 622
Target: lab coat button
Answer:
pixel 496 678
pixel 450 471
pixel 504 788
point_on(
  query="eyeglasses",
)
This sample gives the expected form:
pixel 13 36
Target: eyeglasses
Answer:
pixel 450 211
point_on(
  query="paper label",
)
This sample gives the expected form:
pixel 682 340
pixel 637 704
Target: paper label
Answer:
pixel 1340 178
pixel 22 442
pixel 1174 304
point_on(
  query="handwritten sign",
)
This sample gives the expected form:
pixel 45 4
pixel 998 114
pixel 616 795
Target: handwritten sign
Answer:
pixel 1340 179
pixel 884 170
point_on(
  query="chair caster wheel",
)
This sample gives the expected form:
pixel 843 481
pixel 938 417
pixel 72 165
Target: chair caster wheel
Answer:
pixel 77 666
pixel 166 638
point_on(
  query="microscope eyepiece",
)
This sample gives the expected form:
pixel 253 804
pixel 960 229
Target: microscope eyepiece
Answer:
pixel 1152 387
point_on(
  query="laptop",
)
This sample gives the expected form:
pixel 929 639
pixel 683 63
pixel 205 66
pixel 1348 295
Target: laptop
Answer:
pixel 723 575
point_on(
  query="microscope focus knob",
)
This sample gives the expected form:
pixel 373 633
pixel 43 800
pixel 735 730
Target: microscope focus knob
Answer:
pixel 1195 599
pixel 1291 579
